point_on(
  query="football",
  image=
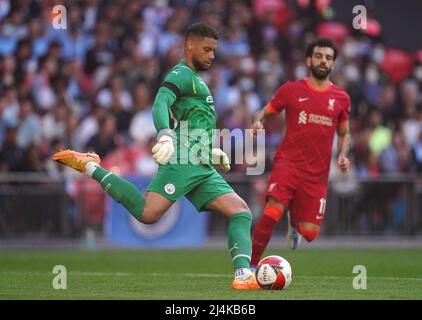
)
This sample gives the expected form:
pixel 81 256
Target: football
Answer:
pixel 273 273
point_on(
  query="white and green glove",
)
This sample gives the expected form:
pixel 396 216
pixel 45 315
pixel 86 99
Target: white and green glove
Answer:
pixel 163 149
pixel 219 158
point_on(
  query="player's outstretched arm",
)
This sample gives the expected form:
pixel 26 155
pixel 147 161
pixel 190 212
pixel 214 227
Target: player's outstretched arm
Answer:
pixel 260 119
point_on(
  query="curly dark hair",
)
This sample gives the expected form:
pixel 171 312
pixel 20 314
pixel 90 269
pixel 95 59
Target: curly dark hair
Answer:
pixel 323 43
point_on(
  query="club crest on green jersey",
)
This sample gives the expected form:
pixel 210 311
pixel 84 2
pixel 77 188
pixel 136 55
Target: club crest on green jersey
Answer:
pixel 169 188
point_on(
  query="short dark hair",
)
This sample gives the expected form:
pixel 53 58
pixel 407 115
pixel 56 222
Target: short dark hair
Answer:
pixel 323 43
pixel 201 29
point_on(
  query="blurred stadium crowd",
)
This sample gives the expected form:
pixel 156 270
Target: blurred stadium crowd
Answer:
pixel 91 86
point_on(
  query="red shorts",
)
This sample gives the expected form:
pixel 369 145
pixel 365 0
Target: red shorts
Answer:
pixel 304 197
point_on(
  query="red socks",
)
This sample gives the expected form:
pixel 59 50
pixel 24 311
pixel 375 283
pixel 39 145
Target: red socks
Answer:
pixel 263 231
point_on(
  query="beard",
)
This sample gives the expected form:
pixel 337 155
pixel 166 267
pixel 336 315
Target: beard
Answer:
pixel 319 74
pixel 199 66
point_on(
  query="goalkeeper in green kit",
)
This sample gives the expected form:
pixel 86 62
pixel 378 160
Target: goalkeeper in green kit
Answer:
pixel 185 119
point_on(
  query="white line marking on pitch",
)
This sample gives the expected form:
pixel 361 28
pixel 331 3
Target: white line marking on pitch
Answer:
pixel 81 273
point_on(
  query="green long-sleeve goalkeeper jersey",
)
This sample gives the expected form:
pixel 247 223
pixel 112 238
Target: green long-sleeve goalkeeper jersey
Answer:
pixel 184 104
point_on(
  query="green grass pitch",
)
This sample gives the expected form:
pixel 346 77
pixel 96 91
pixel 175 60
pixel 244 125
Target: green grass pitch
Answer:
pixel 205 274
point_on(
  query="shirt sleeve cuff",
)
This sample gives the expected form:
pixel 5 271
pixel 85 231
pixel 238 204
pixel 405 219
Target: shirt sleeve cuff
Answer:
pixel 270 107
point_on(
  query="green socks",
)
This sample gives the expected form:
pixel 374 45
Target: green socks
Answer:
pixel 239 239
pixel 121 190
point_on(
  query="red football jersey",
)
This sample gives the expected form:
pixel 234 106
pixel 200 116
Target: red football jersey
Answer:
pixel 312 117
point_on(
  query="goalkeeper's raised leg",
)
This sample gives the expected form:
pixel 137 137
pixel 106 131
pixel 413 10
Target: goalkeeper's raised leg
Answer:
pixel 118 188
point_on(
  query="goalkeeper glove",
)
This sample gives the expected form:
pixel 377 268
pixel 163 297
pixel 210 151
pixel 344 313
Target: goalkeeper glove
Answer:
pixel 163 149
pixel 219 157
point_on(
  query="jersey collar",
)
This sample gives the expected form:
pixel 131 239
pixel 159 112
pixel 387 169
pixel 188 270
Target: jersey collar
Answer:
pixel 183 62
pixel 308 83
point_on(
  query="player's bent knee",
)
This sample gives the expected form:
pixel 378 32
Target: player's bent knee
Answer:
pixel 149 217
pixel 308 234
pixel 243 206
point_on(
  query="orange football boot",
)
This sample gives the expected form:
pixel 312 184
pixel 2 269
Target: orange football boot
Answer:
pixel 75 160
pixel 246 284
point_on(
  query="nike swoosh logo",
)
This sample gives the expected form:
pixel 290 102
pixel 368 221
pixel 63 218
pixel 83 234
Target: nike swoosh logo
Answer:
pixel 303 99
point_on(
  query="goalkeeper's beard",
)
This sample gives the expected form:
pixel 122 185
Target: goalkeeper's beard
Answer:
pixel 198 65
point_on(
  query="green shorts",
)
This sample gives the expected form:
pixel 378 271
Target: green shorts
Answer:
pixel 199 183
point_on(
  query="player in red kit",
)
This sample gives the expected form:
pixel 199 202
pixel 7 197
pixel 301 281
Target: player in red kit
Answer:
pixel 315 109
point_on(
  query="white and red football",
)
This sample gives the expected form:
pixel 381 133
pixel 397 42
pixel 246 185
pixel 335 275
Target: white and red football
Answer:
pixel 273 273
